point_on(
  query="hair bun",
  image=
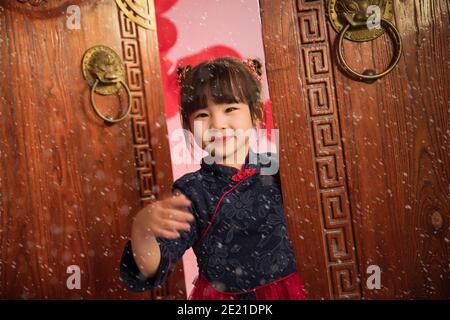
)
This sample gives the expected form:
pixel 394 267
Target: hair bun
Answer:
pixel 255 67
pixel 182 73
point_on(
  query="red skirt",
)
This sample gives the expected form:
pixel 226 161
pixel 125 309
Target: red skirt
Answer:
pixel 287 288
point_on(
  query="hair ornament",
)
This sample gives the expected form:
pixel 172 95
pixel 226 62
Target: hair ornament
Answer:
pixel 255 67
pixel 182 73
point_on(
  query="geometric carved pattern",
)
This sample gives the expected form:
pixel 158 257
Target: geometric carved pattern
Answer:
pixel 320 98
pixel 344 279
pixel 138 11
pixel 317 82
pixel 131 54
pixel 330 171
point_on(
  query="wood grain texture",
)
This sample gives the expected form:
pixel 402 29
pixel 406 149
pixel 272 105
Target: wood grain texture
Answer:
pixel 396 146
pixel 364 167
pixel 69 185
pixel 153 161
pixel 300 77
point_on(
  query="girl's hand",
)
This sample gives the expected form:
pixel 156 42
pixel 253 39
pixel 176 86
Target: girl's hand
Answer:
pixel 165 218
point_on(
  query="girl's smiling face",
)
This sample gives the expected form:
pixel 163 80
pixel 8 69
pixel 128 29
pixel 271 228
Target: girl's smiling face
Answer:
pixel 220 103
pixel 223 131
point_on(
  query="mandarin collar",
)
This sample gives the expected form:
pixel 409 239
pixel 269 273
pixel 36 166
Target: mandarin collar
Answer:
pixel 228 171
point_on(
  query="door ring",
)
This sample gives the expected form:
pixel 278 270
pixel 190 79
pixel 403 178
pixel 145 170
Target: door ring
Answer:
pixel 366 76
pixel 110 120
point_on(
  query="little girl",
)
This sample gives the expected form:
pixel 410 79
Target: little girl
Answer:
pixel 228 211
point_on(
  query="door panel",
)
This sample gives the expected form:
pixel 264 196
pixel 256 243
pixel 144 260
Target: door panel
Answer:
pixel 371 159
pixel 69 184
pixel 395 132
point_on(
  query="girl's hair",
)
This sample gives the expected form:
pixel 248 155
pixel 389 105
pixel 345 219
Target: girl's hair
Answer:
pixel 223 80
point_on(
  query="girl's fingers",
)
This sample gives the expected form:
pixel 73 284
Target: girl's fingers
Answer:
pixel 178 215
pixel 179 201
pixel 168 234
pixel 175 226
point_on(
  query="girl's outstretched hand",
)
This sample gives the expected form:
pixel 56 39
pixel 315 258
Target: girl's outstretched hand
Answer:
pixel 165 218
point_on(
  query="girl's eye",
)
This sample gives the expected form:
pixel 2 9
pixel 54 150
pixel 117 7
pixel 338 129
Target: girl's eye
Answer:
pixel 201 115
pixel 230 109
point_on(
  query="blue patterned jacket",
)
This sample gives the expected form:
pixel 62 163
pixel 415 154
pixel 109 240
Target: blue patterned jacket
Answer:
pixel 239 235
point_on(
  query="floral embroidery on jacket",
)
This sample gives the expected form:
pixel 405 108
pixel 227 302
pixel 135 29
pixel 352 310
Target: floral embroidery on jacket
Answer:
pixel 246 244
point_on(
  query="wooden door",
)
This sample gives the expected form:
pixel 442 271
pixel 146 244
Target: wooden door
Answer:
pixel 364 167
pixel 69 184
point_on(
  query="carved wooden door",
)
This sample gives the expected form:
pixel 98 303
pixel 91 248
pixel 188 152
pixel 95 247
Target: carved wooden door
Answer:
pixel 69 183
pixel 364 166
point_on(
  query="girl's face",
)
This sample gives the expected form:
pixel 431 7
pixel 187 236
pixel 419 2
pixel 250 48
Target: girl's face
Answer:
pixel 223 131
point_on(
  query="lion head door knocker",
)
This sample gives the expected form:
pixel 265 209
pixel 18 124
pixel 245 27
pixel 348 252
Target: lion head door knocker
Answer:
pixel 104 73
pixel 364 20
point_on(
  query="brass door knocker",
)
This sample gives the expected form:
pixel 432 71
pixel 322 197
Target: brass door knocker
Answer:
pixel 351 19
pixel 104 73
